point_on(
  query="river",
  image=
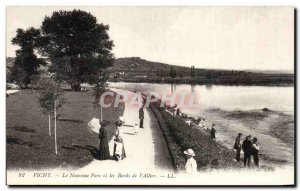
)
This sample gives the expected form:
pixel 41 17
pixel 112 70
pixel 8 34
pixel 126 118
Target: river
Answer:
pixel 237 109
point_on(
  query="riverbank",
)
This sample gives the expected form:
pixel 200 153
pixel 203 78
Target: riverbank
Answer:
pixel 286 80
pixel 234 109
pixel 264 124
pixel 145 71
pixel 30 147
pixel 180 136
pixel 274 130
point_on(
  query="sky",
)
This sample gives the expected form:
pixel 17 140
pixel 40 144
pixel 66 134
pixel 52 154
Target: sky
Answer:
pixel 238 38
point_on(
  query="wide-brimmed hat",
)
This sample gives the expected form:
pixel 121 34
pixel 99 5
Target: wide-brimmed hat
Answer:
pixel 189 152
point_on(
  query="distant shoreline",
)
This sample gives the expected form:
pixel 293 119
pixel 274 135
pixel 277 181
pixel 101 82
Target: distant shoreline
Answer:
pixel 286 83
pixel 135 69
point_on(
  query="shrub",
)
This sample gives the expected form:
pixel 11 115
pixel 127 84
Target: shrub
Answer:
pixel 180 136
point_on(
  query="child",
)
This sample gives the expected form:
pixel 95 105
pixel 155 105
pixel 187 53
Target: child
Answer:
pixel 119 150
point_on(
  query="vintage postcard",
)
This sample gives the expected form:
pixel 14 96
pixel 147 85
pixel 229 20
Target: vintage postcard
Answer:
pixel 150 95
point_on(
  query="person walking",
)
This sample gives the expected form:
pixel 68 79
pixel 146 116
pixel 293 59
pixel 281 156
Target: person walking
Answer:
pixel 203 126
pixel 197 121
pixel 191 164
pixel 178 112
pixel 238 146
pixel 141 117
pixel 103 147
pixel 247 148
pixel 213 131
pixel 255 149
pixel 175 110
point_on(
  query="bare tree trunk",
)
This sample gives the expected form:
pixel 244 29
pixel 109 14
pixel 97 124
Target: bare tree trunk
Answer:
pixel 49 125
pixel 101 115
pixel 55 127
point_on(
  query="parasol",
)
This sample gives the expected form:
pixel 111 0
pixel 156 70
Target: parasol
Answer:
pixel 94 125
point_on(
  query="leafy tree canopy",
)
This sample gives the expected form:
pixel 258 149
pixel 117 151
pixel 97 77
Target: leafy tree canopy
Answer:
pixel 76 36
pixel 27 40
pixel 26 63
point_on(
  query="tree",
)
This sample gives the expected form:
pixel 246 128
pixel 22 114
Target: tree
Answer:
pixel 193 71
pixel 171 72
pixel 162 73
pixel 8 74
pixel 174 73
pixel 76 36
pixel 99 88
pixel 50 99
pixel 26 62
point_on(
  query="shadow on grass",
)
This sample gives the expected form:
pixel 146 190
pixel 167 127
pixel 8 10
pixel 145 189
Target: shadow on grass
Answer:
pixel 22 129
pixel 71 120
pixel 17 141
pixel 93 150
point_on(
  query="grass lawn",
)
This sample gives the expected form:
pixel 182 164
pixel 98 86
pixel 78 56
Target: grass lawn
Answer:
pixel 29 145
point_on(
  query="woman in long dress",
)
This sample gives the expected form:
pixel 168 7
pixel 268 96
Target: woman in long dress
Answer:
pixel 119 149
pixel 103 147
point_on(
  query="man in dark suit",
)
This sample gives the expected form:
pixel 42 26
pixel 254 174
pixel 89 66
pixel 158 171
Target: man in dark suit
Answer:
pixel 255 149
pixel 247 148
pixel 141 117
pixel 213 131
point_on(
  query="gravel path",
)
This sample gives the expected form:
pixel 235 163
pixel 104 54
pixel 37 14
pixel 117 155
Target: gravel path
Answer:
pixel 146 152
pixel 11 91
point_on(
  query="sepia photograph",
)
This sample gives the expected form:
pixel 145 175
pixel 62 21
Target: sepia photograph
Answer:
pixel 150 95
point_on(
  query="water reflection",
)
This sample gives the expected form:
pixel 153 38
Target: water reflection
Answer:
pixel 193 88
pixel 226 97
pixel 173 88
